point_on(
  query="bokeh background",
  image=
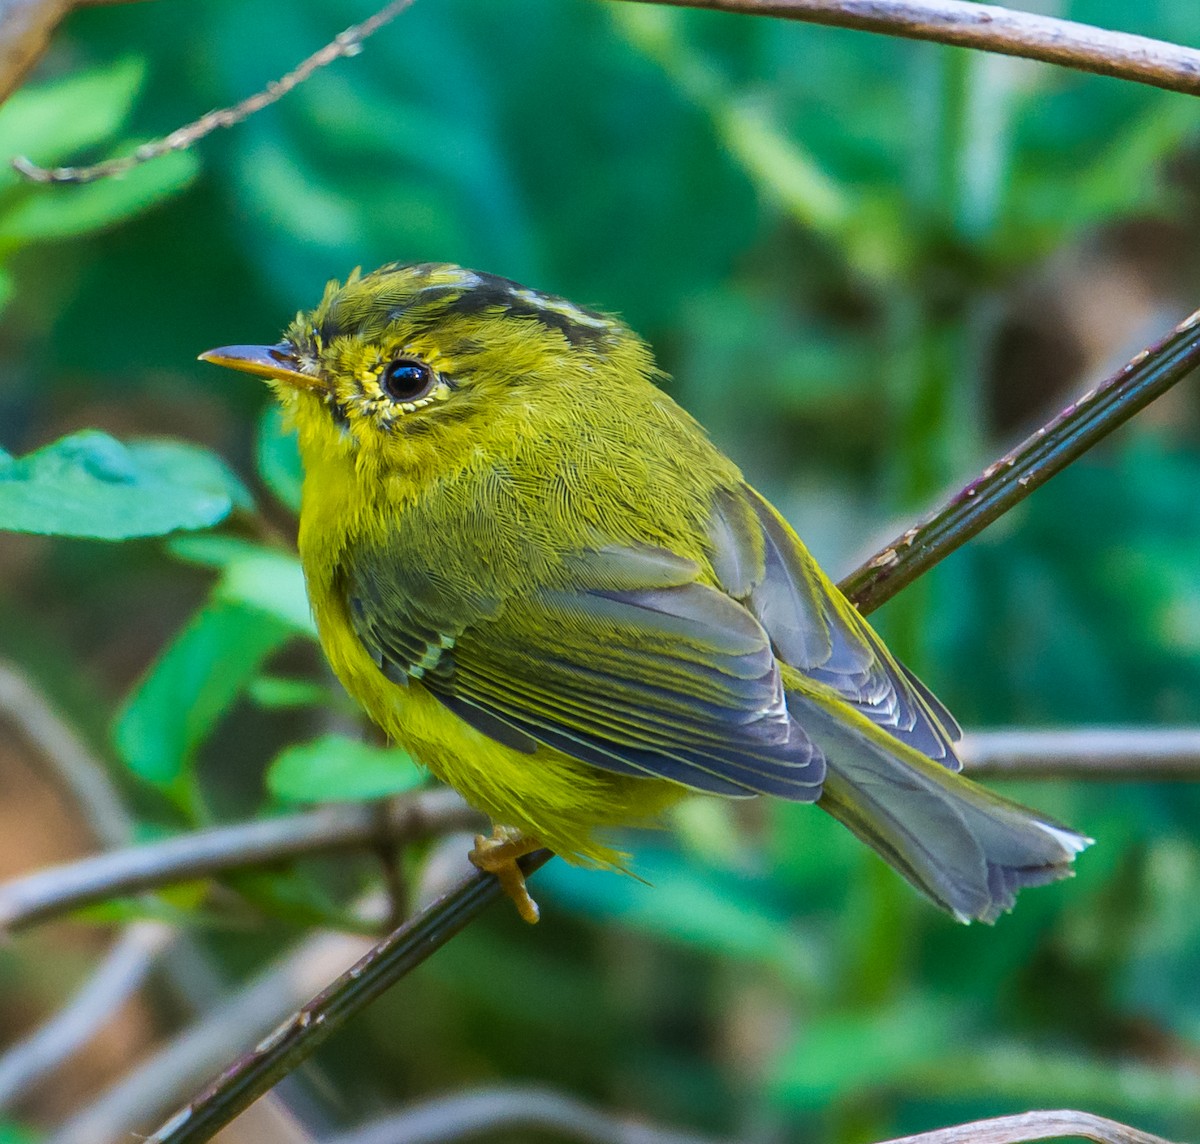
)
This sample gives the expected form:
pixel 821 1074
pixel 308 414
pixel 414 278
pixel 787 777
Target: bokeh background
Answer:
pixel 869 266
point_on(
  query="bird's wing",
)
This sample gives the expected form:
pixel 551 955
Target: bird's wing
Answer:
pixel 759 561
pixel 636 667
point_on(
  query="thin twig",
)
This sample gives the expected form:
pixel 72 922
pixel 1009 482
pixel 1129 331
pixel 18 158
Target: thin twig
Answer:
pixel 1030 1126
pixel 83 775
pixel 958 22
pixel 157 1084
pixel 1008 481
pixel 1138 754
pixel 57 889
pixel 294 1041
pixel 346 44
pixel 987 27
pixel 119 975
pixel 485 1112
pixel 1002 486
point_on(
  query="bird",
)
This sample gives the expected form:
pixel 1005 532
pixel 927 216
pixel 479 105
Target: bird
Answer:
pixel 537 573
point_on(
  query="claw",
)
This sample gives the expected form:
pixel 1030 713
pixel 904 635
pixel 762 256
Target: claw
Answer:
pixel 498 855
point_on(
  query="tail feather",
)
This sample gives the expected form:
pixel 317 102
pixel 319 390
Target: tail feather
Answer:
pixel 968 849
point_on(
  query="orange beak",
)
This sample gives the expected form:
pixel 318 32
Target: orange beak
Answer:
pixel 276 362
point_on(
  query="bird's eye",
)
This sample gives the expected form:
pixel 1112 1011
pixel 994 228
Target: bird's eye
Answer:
pixel 406 379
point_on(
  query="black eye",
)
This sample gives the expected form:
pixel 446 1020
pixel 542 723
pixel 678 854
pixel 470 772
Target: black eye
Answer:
pixel 406 379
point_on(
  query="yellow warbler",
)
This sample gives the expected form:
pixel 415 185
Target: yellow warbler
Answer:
pixel 537 574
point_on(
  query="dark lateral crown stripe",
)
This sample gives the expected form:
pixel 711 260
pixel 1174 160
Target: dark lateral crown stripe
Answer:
pixel 575 323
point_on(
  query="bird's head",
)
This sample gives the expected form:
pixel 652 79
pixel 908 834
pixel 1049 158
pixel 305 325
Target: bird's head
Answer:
pixel 414 362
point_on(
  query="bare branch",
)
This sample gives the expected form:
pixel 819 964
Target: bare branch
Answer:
pixel 478 1114
pixel 57 889
pixel 1008 481
pixel 484 1112
pixel 1029 1126
pixel 156 1085
pixel 347 43
pixel 1138 754
pixel 294 1041
pixel 120 974
pixel 990 28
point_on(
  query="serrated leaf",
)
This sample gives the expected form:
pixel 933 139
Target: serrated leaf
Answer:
pixel 194 682
pixel 91 485
pixel 279 458
pixel 337 769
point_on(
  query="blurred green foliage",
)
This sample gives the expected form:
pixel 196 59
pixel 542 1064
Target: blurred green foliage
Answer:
pixel 868 263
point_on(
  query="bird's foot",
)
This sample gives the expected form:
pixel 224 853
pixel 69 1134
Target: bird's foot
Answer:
pixel 498 855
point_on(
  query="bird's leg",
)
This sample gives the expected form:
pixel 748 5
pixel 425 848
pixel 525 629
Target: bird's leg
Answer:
pixel 498 855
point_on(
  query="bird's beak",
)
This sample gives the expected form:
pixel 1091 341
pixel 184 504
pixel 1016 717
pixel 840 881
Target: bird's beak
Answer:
pixel 275 362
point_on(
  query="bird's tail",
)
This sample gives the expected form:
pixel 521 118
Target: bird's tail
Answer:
pixel 968 849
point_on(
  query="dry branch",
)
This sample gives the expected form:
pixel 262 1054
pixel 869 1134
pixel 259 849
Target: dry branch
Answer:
pixel 57 889
pixel 989 28
pixel 962 23
pixel 1030 1126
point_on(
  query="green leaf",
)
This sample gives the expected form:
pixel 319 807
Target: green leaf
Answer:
pixel 272 583
pixel 191 686
pixel 279 458
pixel 337 769
pixel 275 692
pixel 265 579
pixel 211 550
pixel 11 1133
pixel 844 1052
pixel 52 122
pixel 1036 1076
pixel 293 898
pixel 50 212
pixel 673 900
pixel 91 485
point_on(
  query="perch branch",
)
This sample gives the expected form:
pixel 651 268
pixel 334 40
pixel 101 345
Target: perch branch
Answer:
pixel 294 1040
pixel 1008 481
pixel 987 27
